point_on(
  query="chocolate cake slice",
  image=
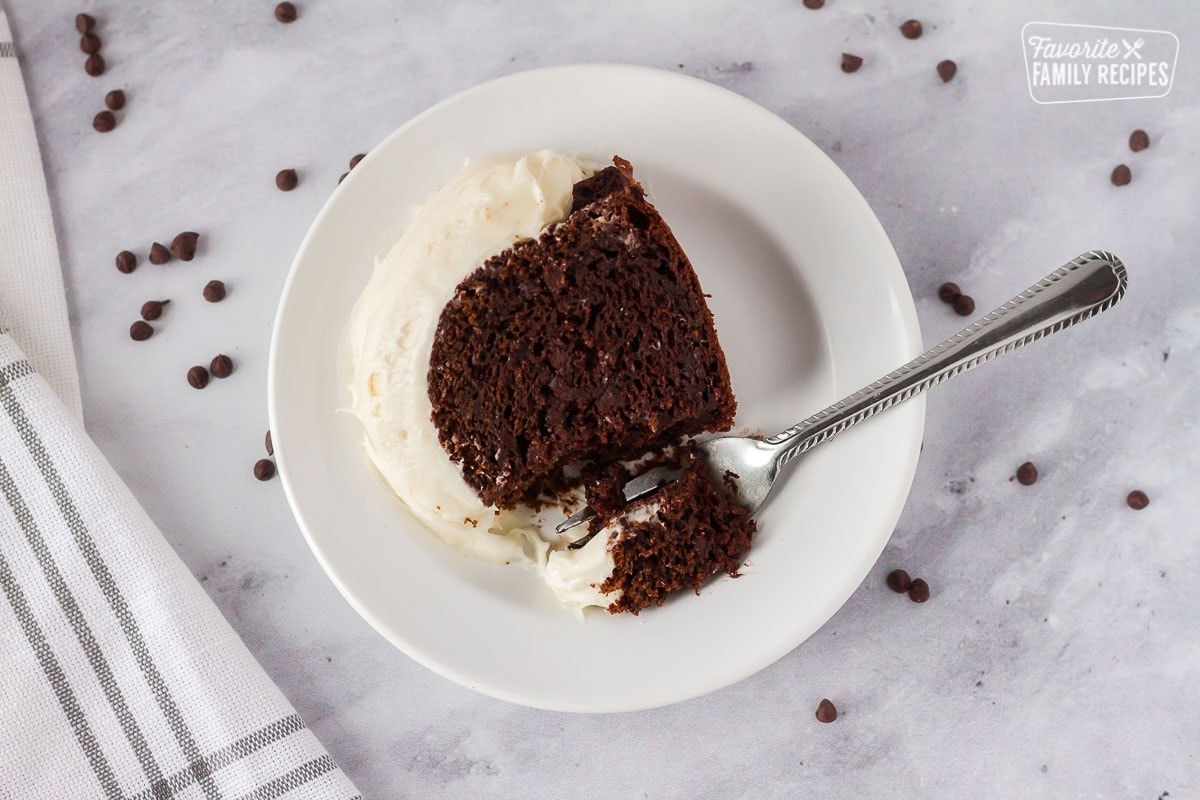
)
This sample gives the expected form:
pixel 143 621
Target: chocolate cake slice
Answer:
pixel 590 344
pixel 689 531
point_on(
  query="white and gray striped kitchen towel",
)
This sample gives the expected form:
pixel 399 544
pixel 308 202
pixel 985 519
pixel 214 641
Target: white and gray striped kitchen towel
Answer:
pixel 33 304
pixel 119 678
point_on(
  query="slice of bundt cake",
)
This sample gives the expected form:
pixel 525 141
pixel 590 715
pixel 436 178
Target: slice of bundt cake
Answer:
pixel 590 344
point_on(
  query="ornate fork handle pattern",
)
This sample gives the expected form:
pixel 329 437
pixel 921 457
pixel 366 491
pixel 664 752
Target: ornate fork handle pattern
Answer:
pixel 1079 290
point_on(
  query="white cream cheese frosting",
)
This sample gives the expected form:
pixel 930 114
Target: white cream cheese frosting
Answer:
pixel 575 576
pixel 489 206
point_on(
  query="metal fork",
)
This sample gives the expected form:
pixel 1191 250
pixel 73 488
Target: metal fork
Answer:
pixel 1078 290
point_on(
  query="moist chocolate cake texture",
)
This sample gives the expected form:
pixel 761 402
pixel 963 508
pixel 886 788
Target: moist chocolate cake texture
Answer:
pixel 692 532
pixel 590 344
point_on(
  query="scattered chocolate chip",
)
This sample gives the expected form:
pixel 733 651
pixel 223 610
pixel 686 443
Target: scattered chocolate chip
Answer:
pixel 826 711
pixel 1137 500
pixel 343 177
pixel 946 70
pixel 140 331
pixel 264 469
pixel 286 180
pixel 354 161
pixel 89 43
pixel 84 22
pixel 159 254
pixel 964 305
pixel 814 4
pixel 214 291
pixel 270 445
pixel 1121 175
pixel 221 366
pixel 94 65
pixel 115 99
pixel 285 12
pixel 1139 140
pixel 850 63
pixel 198 377
pixel 184 245
pixel 918 591
pixel 949 292
pixel 153 309
pixel 1027 474
pixel 898 581
pixel 911 29
pixel 104 121
pixel 126 262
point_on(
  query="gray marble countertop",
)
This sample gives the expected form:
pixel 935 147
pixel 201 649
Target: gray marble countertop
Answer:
pixel 1059 655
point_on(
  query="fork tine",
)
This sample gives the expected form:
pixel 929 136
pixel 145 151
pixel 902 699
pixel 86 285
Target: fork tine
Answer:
pixel 578 518
pixel 643 485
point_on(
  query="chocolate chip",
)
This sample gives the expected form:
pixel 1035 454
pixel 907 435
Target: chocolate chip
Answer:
pixel 285 12
pixel 1139 140
pixel 264 469
pixel 159 254
pixel 814 4
pixel 1121 175
pixel 1027 474
pixel 104 121
pixel 140 331
pixel 126 262
pixel 198 377
pixel 949 292
pixel 89 43
pixel 153 309
pixel 826 711
pixel 221 366
pixel 918 592
pixel 964 305
pixel 214 291
pixel 946 70
pixel 84 22
pixel 354 161
pixel 286 180
pixel 850 63
pixel 911 29
pixel 184 245
pixel 898 581
pixel 270 445
pixel 1137 500
pixel 94 65
pixel 115 99
pixel 343 177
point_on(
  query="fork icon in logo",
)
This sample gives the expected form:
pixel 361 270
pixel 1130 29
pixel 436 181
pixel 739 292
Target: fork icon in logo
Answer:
pixel 1132 49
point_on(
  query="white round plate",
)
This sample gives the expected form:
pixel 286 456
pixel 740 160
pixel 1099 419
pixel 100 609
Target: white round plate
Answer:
pixel 810 304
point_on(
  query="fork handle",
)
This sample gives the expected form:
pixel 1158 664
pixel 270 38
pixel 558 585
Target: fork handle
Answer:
pixel 1078 290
